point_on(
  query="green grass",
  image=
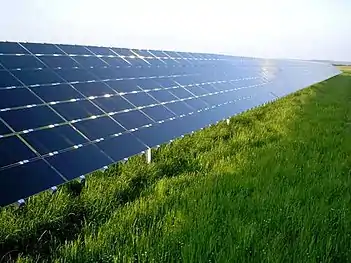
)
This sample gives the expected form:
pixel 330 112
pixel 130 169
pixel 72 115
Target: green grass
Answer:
pixel 273 186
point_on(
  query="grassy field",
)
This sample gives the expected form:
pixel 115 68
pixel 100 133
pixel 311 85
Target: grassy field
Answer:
pixel 347 69
pixel 273 186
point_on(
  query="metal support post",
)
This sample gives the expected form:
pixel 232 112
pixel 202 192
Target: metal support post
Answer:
pixel 148 155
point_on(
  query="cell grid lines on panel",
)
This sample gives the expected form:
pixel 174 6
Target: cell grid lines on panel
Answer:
pixel 68 110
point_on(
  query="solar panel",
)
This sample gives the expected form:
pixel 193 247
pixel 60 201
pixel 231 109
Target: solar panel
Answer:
pixel 68 110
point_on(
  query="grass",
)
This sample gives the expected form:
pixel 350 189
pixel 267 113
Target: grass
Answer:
pixel 273 186
pixel 346 69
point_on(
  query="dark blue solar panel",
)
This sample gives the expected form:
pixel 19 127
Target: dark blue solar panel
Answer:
pixel 11 48
pixel 7 80
pixel 75 50
pixel 37 77
pixel 30 118
pixel 58 61
pixel 108 73
pixel 197 90
pixel 102 127
pixel 166 82
pixel 48 49
pixel 179 107
pixel 181 93
pixel 197 103
pixel 73 75
pixel 61 92
pixel 88 62
pixel 141 52
pixel 20 62
pixel 145 97
pixel 132 119
pixel 17 97
pixel 162 95
pixel 140 99
pixel 83 160
pixel 77 110
pixel 157 53
pixel 13 150
pixel 26 180
pixel 158 113
pixel 136 61
pixel 54 139
pixel 123 51
pixel 121 147
pixel 126 85
pixel 113 104
pixel 156 62
pixel 93 88
pixel 116 61
pixel 104 51
pixel 4 129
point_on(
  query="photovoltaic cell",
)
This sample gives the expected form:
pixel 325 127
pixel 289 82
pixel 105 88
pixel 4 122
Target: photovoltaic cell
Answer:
pixel 26 180
pixel 77 110
pixel 158 113
pixel 13 150
pixel 197 103
pixel 140 99
pixel 99 128
pixel 4 129
pixel 73 75
pixel 179 107
pixel 74 50
pixel 30 118
pixel 61 92
pixel 93 88
pixel 101 51
pixel 106 73
pixel 121 147
pixel 54 139
pixel 124 85
pixel 58 61
pixel 132 119
pixel 20 62
pixel 181 93
pixel 162 95
pixel 8 80
pixel 74 163
pixel 37 76
pixel 116 61
pixel 67 110
pixel 88 62
pixel 113 104
pixel 11 48
pixel 10 98
pixel 48 49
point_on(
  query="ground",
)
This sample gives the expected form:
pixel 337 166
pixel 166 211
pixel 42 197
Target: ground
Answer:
pixel 273 186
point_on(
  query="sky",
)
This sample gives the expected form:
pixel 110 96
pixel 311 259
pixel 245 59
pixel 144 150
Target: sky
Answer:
pixel 303 29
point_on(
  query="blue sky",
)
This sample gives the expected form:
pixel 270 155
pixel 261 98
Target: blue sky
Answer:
pixel 306 29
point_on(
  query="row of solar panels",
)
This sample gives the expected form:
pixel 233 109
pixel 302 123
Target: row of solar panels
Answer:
pixel 63 118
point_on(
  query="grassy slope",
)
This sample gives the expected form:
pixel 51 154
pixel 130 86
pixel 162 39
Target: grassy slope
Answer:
pixel 273 186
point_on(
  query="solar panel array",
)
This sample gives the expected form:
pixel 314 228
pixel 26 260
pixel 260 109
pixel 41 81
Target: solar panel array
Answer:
pixel 68 110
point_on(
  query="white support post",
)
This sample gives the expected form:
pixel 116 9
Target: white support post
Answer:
pixel 53 189
pixel 148 155
pixel 228 121
pixel 21 203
